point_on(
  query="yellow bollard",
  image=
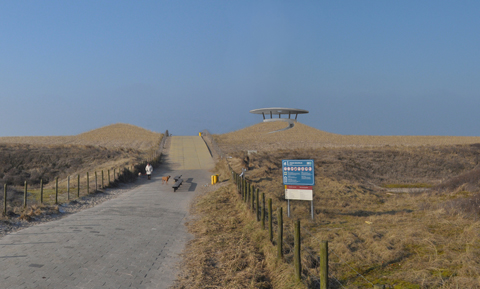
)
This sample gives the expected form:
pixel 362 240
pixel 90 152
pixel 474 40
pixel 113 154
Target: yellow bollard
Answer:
pixel 217 178
pixel 213 179
pixel 199 134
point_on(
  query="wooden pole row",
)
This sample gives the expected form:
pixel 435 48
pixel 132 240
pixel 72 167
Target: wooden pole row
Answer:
pixel 25 190
pixel 155 160
pixel 252 198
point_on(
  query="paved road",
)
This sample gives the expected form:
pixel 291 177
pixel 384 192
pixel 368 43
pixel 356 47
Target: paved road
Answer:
pixel 132 241
pixel 190 153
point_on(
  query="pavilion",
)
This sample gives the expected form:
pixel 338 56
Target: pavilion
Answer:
pixel 274 111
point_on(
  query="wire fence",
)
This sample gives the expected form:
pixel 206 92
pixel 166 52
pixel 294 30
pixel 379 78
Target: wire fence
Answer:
pixel 311 275
pixel 311 267
pixel 66 189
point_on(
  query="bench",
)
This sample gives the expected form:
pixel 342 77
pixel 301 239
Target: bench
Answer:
pixel 176 178
pixel 177 185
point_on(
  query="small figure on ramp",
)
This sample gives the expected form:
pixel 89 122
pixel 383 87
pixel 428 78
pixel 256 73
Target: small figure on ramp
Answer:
pixel 149 170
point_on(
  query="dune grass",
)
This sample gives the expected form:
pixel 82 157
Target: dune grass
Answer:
pixel 407 186
pixel 112 136
pixel 229 250
pixel 111 148
pixel 402 240
pixel 301 136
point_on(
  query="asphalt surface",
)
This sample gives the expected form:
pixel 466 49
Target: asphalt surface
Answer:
pixel 132 241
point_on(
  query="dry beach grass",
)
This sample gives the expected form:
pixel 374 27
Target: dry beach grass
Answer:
pixel 31 159
pixel 301 136
pixel 403 240
pixel 427 239
pixel 112 136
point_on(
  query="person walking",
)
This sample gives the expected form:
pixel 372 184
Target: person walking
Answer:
pixel 149 170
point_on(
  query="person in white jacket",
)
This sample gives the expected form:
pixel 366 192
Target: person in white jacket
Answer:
pixel 149 170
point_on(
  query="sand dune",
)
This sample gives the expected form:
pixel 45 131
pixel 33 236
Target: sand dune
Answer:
pixel 258 137
pixel 115 135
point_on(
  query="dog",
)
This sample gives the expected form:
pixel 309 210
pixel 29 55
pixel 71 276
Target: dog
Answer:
pixel 165 179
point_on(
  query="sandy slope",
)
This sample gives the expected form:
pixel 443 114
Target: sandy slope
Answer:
pixel 257 137
pixel 115 135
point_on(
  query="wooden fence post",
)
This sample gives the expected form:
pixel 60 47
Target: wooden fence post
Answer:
pixel 280 233
pixel 296 252
pixel 263 211
pixel 114 176
pixel 96 184
pixel 270 224
pixel 25 195
pixel 252 198
pixel 257 207
pixel 102 180
pixel 240 186
pixel 108 177
pixel 246 192
pixel 324 265
pixel 244 184
pixel 245 188
pixel 88 185
pixel 56 190
pixel 68 188
pixel 41 191
pixel 78 186
pixel 5 199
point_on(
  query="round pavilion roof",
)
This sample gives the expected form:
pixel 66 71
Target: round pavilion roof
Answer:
pixel 278 110
pixel 274 111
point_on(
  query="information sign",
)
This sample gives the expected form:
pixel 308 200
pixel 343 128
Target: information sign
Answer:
pixel 304 193
pixel 298 172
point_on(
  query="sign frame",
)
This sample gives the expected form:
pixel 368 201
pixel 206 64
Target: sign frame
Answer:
pixel 298 172
pixel 299 178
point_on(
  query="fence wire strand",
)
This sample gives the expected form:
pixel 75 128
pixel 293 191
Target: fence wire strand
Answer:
pixel 314 255
pixel 341 260
pixel 333 277
pixel 351 268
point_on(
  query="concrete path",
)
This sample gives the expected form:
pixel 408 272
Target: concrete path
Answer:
pixel 132 241
pixel 190 153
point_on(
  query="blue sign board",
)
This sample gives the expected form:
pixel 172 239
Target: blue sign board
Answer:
pixel 298 172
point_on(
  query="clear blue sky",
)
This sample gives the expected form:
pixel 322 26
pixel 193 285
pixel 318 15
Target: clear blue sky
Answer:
pixel 359 67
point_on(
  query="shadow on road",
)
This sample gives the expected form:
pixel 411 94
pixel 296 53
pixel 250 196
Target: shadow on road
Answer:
pixel 193 185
